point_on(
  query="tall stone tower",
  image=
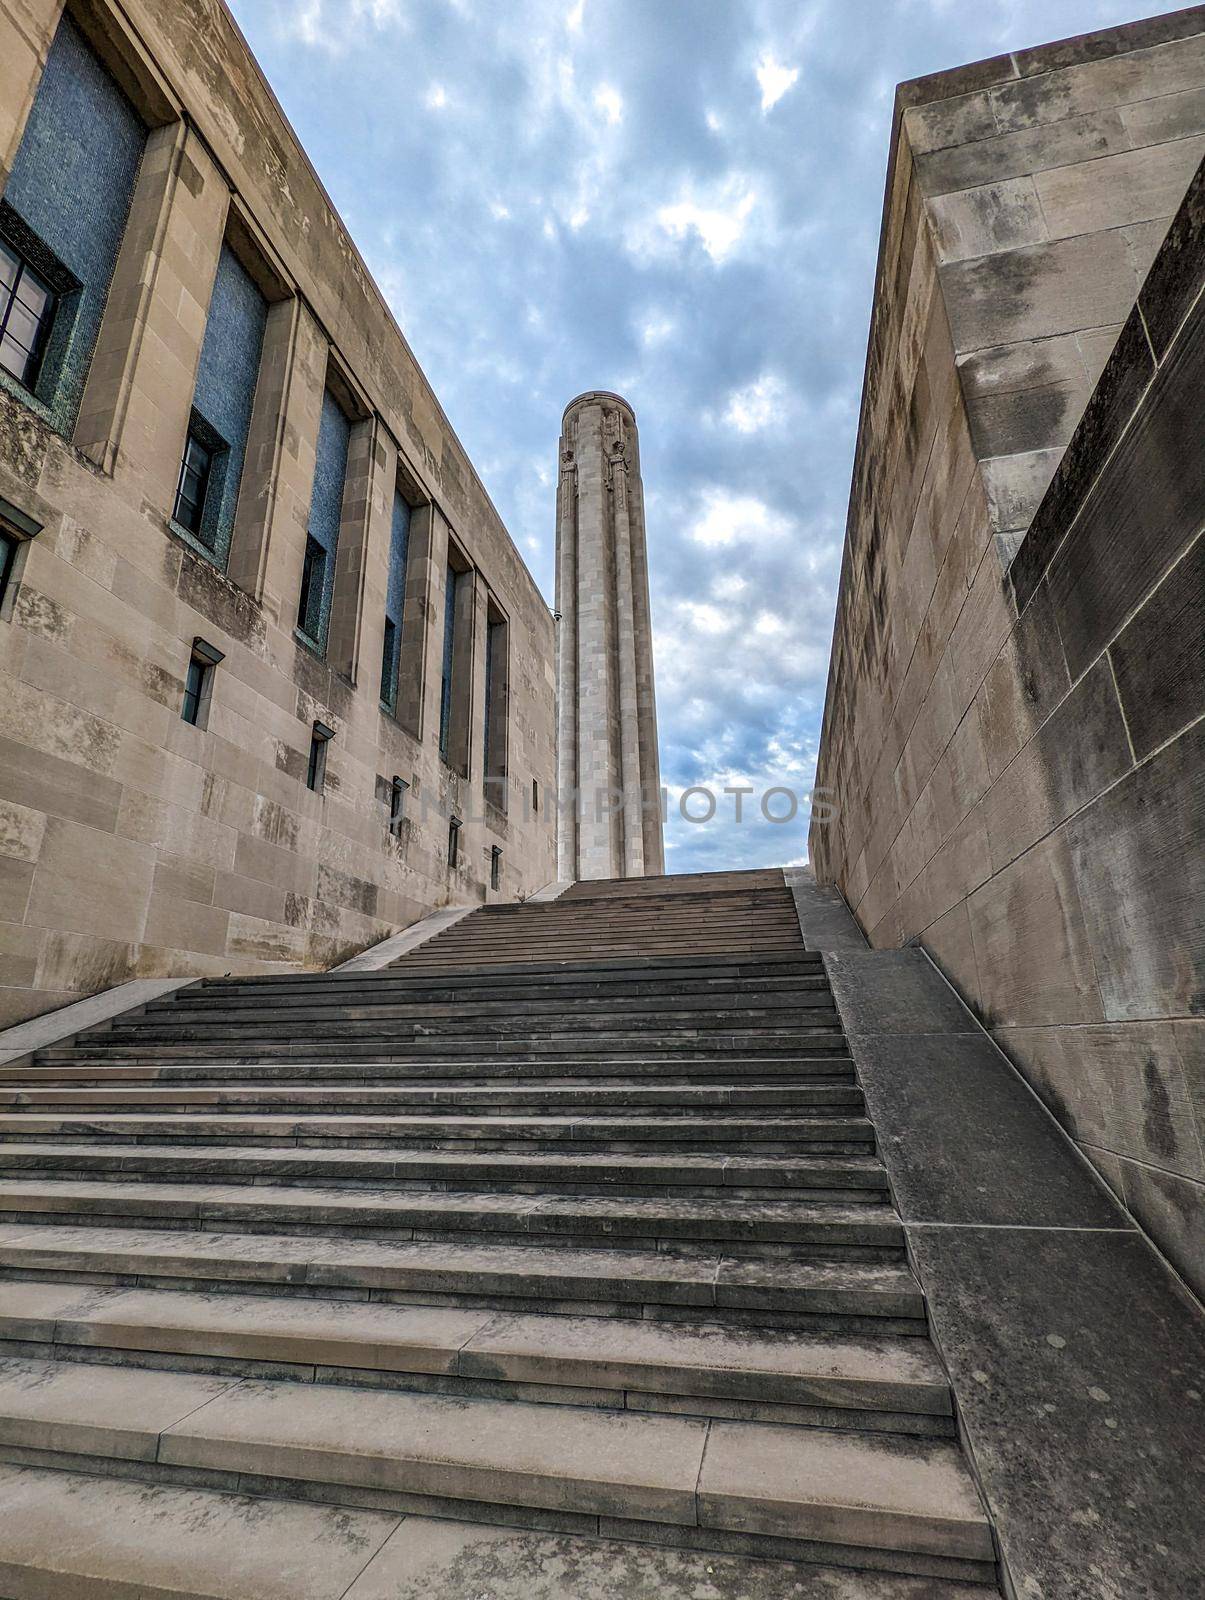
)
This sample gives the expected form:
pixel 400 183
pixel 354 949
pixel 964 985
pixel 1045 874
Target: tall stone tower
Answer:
pixel 607 750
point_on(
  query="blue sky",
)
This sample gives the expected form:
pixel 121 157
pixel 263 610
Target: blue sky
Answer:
pixel 678 200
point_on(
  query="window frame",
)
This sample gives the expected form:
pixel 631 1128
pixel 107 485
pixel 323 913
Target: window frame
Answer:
pixel 495 867
pixel 203 659
pixel 454 826
pixel 44 319
pixel 398 791
pixel 315 772
pixel 17 528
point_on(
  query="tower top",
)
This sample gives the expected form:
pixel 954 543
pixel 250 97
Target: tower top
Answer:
pixel 593 395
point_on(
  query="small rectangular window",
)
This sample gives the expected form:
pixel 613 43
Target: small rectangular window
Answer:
pixel 313 580
pixel 26 312
pixel 8 554
pixel 389 665
pixel 453 841
pixel 495 867
pixel 535 795
pixel 315 776
pixel 397 805
pixel 17 527
pixel 198 683
pixel 195 468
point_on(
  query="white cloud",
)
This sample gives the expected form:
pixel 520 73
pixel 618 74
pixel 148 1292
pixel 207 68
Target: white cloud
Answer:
pixel 774 80
pixel 575 15
pixel 656 327
pixel 609 103
pixel 436 97
pixel 757 405
pixel 727 518
pixel 717 216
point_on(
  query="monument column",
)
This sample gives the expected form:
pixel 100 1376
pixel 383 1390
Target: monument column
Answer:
pixel 607 717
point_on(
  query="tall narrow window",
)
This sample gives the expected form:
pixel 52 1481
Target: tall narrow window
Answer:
pixel 326 511
pixel 453 841
pixel 496 698
pixel 8 554
pixel 495 866
pixel 535 796
pixel 17 527
pixel 445 693
pixel 198 683
pixel 395 596
pixel 212 466
pixel 315 774
pixel 62 219
pixel 397 805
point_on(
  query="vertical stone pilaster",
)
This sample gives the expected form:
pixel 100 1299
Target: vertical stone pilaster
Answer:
pixel 26 33
pixel 362 504
pixel 607 717
pixel 417 695
pixel 136 403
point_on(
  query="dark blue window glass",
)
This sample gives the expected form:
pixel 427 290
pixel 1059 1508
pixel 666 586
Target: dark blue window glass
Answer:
pixel 491 634
pixel 395 596
pixel 326 509
pixel 222 400
pixel 445 696
pixel 66 205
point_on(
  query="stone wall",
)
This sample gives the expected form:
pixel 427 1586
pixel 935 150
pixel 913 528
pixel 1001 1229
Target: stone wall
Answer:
pixel 132 843
pixel 1010 750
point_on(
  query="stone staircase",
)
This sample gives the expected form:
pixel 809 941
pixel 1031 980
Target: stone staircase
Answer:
pixel 570 1221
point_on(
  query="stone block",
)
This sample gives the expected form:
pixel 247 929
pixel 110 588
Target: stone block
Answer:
pixel 1040 290
pixel 1159 657
pixel 1023 685
pixel 1119 1087
pixel 1021 151
pixel 1031 944
pixel 1142 882
pixel 1131 186
pixel 89 882
pixel 988 219
pixel 1078 752
pixel 1171 1208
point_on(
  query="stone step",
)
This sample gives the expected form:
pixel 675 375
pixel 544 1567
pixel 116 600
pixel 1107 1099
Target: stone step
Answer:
pixel 808 1379
pixel 906 1497
pixel 855 1176
pixel 386 1008
pixel 869 1225
pixel 451 1071
pixel 69 1537
pixel 701 1284
pixel 669 969
pixel 389 986
pixel 615 1049
pixel 284 1025
pixel 831 1134
pixel 810 1097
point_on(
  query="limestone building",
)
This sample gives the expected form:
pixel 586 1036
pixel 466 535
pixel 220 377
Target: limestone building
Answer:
pixel 274 680
pixel 1012 735
pixel 608 777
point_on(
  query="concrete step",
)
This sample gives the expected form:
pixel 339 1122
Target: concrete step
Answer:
pixel 908 1499
pixel 868 1226
pixel 888 1383
pixel 69 1537
pixel 687 1284
pixel 72 1065
pixel 827 1134
pixel 675 968
pixel 618 1050
pixel 586 983
pixel 838 1176
pixel 813 1098
pixel 636 1077
pixel 284 1025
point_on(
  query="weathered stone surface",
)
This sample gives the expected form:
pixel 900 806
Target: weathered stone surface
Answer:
pixel 1077 1366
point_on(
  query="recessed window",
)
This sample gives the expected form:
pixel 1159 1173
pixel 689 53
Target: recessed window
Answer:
pixel 395 600
pixel 495 867
pixel 535 795
pixel 8 554
pixel 198 683
pixel 194 481
pixel 315 775
pixel 26 312
pixel 449 655
pixel 16 529
pixel 453 841
pixel 389 665
pixel 322 528
pixel 397 805
pixel 313 578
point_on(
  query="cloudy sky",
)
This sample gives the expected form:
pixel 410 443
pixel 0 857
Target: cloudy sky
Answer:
pixel 678 200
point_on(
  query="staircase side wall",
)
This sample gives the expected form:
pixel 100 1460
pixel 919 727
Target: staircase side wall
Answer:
pixel 1009 738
